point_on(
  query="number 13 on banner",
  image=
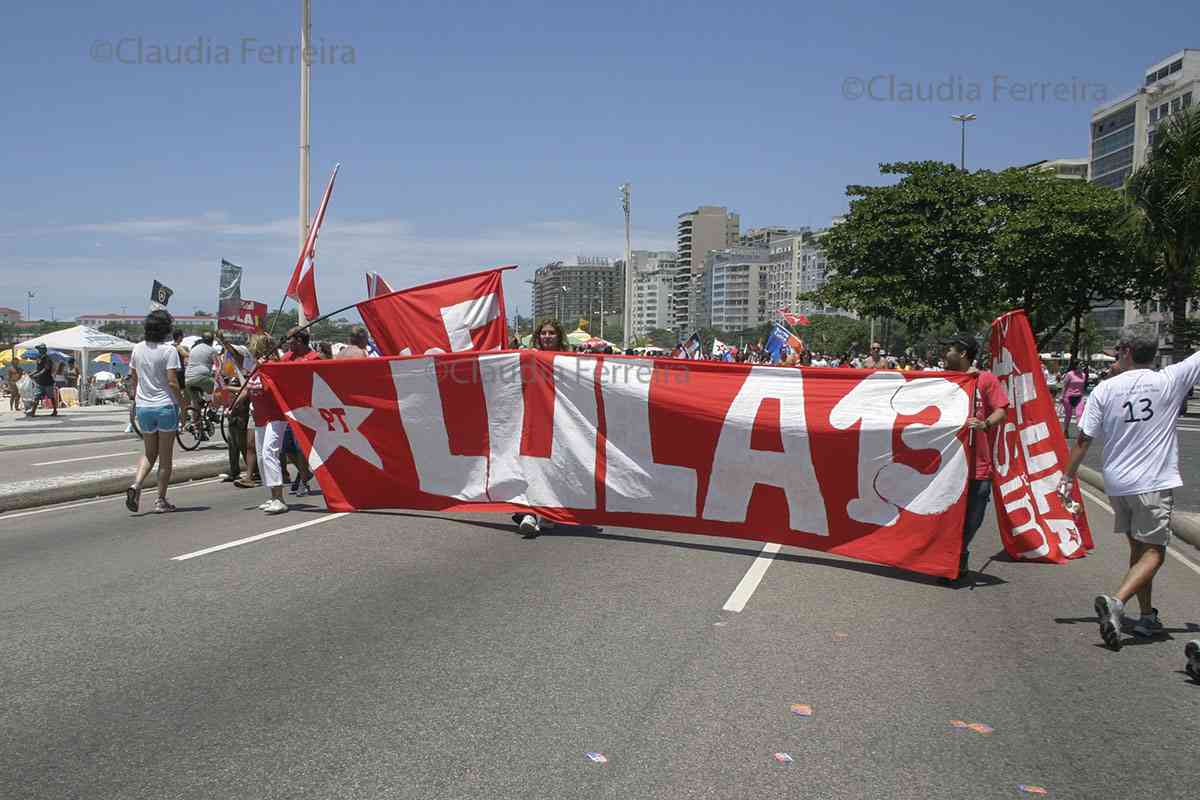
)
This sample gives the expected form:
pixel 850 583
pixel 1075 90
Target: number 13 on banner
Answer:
pixel 884 486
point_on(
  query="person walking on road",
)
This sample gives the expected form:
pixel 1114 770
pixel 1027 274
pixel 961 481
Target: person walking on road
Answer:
pixel 1134 410
pixel 991 403
pixel 269 425
pixel 12 377
pixel 43 379
pixel 1074 383
pixel 155 371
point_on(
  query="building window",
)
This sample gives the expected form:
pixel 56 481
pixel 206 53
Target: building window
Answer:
pixel 1187 100
pixel 1178 65
pixel 1176 105
pixel 1153 115
pixel 1162 73
pixel 1164 110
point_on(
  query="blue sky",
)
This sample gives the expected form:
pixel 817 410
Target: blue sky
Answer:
pixel 478 133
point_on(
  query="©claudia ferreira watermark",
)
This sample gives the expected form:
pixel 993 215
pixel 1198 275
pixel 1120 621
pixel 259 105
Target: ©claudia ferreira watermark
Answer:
pixel 205 51
pixel 891 88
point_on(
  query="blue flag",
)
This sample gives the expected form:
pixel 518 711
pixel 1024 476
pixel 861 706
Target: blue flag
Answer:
pixel 777 342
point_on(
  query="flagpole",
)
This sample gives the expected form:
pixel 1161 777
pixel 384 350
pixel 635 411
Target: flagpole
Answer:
pixel 305 75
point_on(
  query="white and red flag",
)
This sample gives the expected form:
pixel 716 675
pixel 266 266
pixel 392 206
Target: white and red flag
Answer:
pixel 303 286
pixel 449 316
pixel 867 464
pixel 793 319
pixel 377 285
pixel 1029 455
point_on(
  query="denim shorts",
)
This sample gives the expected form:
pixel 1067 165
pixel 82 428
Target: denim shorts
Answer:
pixel 155 419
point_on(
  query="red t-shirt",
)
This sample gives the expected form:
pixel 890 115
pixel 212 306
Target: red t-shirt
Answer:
pixel 262 403
pixel 311 355
pixel 989 395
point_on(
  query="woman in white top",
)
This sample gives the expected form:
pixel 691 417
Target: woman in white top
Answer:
pixel 154 369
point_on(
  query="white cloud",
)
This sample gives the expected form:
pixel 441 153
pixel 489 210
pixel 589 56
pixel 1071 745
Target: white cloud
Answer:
pixel 184 253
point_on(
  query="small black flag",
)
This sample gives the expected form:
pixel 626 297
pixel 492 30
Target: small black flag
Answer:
pixel 160 295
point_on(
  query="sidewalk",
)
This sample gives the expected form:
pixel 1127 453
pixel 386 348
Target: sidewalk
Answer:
pixel 71 426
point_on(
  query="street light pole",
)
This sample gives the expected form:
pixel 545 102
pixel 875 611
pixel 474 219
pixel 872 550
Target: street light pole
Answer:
pixel 305 76
pixel 600 286
pixel 627 317
pixel 963 119
pixel 29 305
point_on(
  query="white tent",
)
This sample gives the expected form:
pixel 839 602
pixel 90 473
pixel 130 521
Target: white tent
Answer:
pixel 83 341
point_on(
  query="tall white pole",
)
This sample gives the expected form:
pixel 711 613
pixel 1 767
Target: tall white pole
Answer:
pixel 305 73
pixel 627 319
pixel 600 286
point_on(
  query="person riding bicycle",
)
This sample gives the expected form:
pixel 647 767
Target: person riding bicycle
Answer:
pixel 198 377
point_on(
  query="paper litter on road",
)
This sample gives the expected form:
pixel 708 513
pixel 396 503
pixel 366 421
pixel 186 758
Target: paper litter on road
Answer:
pixel 783 758
pixel 801 710
pixel 958 723
pixel 979 727
pixel 1032 789
pixel 597 758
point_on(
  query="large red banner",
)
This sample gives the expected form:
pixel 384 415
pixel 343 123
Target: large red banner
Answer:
pixel 872 465
pixel 449 316
pixel 1030 454
pixel 250 318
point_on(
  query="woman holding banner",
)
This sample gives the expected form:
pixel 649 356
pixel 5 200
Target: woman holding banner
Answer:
pixel 269 425
pixel 549 337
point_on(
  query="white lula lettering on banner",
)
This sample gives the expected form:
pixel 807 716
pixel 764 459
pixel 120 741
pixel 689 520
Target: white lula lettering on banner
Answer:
pixel 633 480
pixel 885 486
pixel 420 402
pixel 1022 492
pixel 462 318
pixel 737 468
pixel 567 479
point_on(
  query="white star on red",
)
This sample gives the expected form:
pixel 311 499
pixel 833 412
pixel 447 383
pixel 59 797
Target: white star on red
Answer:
pixel 335 425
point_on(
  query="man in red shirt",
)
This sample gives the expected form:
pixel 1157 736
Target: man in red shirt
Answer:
pixel 990 404
pixel 298 350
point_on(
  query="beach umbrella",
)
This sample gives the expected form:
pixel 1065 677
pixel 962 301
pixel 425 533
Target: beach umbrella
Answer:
pixel 112 358
pixel 6 357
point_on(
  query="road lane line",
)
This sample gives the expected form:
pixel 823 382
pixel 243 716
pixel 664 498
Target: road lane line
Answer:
pixel 85 458
pixel 109 499
pixel 737 600
pixel 267 535
pixel 1187 562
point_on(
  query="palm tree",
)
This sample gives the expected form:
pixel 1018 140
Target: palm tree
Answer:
pixel 1165 197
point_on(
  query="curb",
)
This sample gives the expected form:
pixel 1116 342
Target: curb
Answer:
pixel 99 487
pixel 1183 527
pixel 112 437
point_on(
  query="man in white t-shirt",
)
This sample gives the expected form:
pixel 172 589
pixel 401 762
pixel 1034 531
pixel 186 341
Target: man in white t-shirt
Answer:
pixel 1135 411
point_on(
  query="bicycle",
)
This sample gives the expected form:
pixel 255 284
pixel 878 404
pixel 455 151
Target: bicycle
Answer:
pixel 193 431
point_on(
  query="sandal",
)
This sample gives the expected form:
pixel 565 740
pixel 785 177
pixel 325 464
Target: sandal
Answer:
pixel 132 496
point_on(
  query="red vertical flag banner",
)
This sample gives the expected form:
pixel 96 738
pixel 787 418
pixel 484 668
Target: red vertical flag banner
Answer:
pixel 377 285
pixel 303 286
pixel 1030 455
pixel 449 316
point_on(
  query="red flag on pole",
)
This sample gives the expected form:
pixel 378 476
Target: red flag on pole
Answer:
pixel 303 286
pixel 450 316
pixel 377 285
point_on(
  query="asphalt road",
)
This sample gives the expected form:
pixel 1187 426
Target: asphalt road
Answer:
pixel 413 655
pixel 67 460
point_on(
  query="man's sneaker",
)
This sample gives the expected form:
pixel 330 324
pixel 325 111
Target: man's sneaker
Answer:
pixel 162 506
pixel 1192 651
pixel 304 491
pixel 1108 614
pixel 133 496
pixel 529 526
pixel 1148 625
pixel 264 504
pixel 226 477
pixel 276 507
pixel 295 485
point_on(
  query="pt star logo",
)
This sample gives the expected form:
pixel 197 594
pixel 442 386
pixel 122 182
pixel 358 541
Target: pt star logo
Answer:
pixel 335 425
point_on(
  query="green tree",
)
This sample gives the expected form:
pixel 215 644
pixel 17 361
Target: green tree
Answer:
pixel 947 248
pixel 660 337
pixel 1164 195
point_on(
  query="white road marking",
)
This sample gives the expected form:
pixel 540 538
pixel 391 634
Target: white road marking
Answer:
pixel 257 537
pixel 85 458
pixel 1187 562
pixel 737 600
pixel 109 499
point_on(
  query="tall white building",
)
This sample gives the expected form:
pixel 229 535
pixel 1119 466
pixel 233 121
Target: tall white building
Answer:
pixel 1122 137
pixel 697 232
pixel 653 282
pixel 798 265
pixel 734 288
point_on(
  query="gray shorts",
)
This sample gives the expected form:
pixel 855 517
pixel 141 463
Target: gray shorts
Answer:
pixel 1144 517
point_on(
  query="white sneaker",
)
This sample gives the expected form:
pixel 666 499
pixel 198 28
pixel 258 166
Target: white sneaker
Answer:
pixel 529 526
pixel 276 507
pixel 1108 614
pixel 264 505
